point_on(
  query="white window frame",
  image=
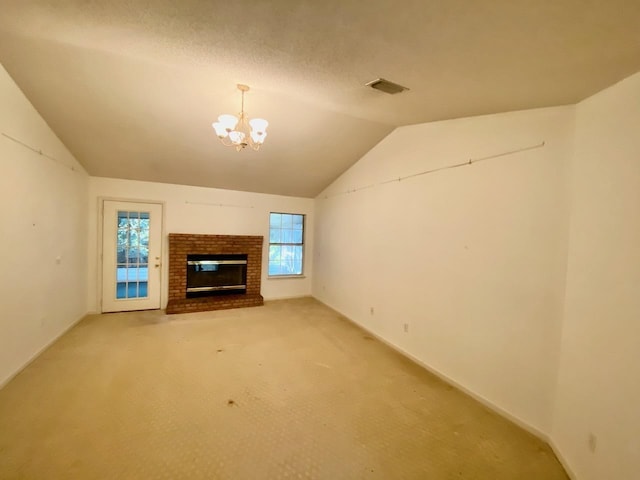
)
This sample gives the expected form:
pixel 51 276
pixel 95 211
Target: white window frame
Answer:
pixel 304 227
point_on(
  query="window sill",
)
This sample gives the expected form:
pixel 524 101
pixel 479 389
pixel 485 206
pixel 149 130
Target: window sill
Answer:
pixel 284 277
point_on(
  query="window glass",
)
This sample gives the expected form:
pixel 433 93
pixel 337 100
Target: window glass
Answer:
pixel 132 266
pixel 286 244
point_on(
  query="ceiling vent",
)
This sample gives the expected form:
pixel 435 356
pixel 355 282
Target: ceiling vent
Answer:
pixel 386 86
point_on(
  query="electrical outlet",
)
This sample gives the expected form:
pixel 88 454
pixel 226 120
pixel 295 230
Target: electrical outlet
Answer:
pixel 406 328
pixel 593 442
pixel 371 310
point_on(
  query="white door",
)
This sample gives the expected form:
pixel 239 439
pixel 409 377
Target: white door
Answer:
pixel 131 253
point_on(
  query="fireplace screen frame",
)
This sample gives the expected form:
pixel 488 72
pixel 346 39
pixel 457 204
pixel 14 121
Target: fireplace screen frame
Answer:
pixel 206 275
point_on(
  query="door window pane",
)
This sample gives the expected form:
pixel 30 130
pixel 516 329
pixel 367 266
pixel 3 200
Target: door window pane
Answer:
pixel 132 268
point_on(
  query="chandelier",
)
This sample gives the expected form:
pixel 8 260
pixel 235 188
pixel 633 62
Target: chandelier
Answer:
pixel 240 132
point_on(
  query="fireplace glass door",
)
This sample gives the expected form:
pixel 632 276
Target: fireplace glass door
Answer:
pixel 216 275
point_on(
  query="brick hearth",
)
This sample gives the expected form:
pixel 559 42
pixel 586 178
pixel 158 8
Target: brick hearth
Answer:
pixel 181 245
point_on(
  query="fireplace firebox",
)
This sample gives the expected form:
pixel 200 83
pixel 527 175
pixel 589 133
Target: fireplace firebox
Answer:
pixel 209 275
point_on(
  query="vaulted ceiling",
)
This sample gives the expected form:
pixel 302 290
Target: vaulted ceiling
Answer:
pixel 131 87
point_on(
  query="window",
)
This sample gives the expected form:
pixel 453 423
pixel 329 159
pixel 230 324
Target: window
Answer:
pixel 286 243
pixel 132 268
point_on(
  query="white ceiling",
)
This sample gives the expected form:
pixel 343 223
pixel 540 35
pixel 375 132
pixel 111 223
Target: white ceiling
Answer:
pixel 131 87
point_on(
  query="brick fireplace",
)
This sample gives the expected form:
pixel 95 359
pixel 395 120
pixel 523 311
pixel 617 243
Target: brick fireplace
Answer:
pixel 183 245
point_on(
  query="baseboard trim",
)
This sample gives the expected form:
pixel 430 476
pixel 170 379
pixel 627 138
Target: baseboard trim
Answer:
pixel 445 378
pixel 291 297
pixel 487 403
pixel 42 349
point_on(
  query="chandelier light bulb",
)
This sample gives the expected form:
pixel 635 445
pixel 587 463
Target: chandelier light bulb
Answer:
pixel 259 124
pixel 258 137
pixel 220 129
pixel 228 121
pixel 236 137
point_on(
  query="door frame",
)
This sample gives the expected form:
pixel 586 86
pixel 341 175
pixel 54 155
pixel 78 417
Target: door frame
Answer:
pixel 164 256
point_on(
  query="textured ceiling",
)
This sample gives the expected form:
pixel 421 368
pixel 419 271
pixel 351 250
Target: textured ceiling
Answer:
pixel 131 87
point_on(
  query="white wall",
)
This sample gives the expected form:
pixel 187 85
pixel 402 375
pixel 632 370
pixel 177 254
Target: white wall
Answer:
pixel 198 210
pixel 43 246
pixel 472 259
pixel 599 381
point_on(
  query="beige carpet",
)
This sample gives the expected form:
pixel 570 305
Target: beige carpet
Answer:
pixel 288 390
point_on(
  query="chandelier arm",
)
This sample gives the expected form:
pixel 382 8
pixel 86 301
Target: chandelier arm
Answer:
pixel 226 142
pixel 254 146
